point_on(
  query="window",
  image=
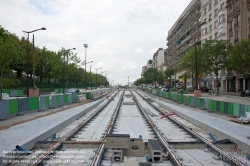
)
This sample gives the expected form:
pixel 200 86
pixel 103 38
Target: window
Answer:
pixel 215 2
pixel 215 24
pixel 231 10
pixel 222 31
pixel 230 26
pixel 204 31
pixel 210 38
pixel 205 20
pixel 222 18
pixel 205 11
pixel 236 20
pixel 222 6
pixel 236 34
pixel 215 35
pixel 215 12
pixel 210 17
pixel 210 6
pixel 210 28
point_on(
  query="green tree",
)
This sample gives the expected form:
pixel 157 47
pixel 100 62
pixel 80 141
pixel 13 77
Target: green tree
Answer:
pixel 188 65
pixel 139 81
pixel 160 78
pixel 168 73
pixel 215 55
pixel 239 58
pixel 150 75
pixel 9 46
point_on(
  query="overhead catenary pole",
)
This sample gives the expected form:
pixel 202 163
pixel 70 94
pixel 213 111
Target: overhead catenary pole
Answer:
pixel 86 46
pixel 27 65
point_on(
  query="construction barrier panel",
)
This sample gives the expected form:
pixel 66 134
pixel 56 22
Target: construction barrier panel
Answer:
pixel 23 105
pixel 44 103
pixel 13 106
pixel 236 110
pixel 241 110
pixel 61 100
pixel 65 99
pixel 56 91
pixel 33 103
pixel 203 101
pixel 198 102
pixel 4 112
pixel 210 105
pixel 168 95
pixel 246 109
pixel 182 99
pixel 189 100
pixel 6 91
pixel 221 107
pixel 54 101
pixel 13 93
pixel 70 98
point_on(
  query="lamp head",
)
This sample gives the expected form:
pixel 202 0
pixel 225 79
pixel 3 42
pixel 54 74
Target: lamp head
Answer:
pixel 43 28
pixel 73 48
pixel 85 45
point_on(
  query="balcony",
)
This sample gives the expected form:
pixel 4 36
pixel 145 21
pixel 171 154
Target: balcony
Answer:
pixel 221 34
pixel 222 21
pixel 210 8
pixel 229 2
pixel 215 15
pixel 215 3
pixel 236 25
pixel 230 15
pixel 237 8
pixel 236 40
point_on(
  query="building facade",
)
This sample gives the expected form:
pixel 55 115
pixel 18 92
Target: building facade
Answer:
pixel 214 27
pixel 183 34
pixel 238 21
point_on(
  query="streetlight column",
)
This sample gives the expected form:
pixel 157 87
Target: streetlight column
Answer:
pixel 63 78
pixel 86 46
pixel 96 75
pixel 128 82
pixel 27 69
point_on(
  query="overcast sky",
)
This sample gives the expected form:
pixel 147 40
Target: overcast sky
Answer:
pixel 122 34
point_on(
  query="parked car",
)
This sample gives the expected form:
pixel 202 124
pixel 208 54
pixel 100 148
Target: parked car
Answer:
pixel 165 89
pixel 72 90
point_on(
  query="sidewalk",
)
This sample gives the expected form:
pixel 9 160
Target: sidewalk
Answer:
pixel 226 96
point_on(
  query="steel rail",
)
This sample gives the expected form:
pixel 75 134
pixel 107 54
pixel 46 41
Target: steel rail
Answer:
pixel 75 130
pixel 173 157
pixel 98 156
pixel 224 156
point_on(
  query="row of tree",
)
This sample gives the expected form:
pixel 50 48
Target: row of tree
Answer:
pixel 48 64
pixel 212 56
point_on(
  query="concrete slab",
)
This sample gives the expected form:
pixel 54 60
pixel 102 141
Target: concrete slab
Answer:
pixel 218 127
pixel 27 134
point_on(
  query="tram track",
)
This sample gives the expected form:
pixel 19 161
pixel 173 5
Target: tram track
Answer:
pixel 149 116
pixel 220 153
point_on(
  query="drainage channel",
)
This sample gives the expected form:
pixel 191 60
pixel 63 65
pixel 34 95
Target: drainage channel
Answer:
pixel 209 146
pixel 45 150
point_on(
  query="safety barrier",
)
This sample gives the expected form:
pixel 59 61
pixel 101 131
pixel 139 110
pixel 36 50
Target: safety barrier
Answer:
pixel 234 109
pixel 20 106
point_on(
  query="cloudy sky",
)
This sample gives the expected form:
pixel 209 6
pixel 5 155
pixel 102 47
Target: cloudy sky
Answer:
pixel 122 34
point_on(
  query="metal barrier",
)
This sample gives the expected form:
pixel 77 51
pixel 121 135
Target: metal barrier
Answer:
pixel 23 106
pixel 4 105
pixel 44 103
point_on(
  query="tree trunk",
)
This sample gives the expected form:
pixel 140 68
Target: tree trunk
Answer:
pixel 217 93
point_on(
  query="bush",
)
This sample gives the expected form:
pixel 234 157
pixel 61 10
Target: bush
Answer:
pixel 191 89
pixel 173 89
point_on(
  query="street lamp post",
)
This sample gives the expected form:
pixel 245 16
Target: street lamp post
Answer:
pixel 27 69
pixel 106 77
pixel 63 78
pixel 96 75
pixel 86 46
pixel 90 77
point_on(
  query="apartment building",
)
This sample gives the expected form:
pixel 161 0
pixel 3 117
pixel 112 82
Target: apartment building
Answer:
pixel 214 27
pixel 159 60
pixel 145 68
pixel 182 35
pixel 238 20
